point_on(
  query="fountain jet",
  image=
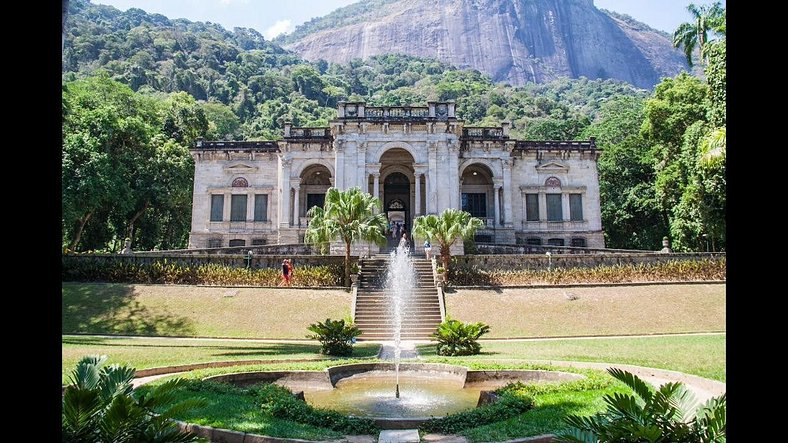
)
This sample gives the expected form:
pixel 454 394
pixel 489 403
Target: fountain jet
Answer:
pixel 400 281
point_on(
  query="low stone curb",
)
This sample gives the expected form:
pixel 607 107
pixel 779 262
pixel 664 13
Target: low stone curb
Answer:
pixel 217 435
pixel 587 285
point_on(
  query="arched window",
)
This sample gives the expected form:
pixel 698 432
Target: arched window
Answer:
pixel 240 182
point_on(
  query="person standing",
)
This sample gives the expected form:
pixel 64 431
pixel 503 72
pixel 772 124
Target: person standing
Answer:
pixel 427 248
pixel 285 273
pixel 403 242
pixel 289 272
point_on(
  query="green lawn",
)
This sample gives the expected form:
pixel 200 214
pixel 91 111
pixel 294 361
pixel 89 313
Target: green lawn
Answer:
pixel 597 310
pixel 146 353
pixel 702 355
pixel 175 310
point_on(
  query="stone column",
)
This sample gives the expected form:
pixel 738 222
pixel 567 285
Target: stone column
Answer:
pixel 284 194
pixel 565 206
pixel 417 209
pixel 454 172
pixel 226 209
pixel 250 205
pixel 542 206
pixel 459 193
pixel 339 165
pixel 376 184
pixel 432 200
pixel 507 193
pixel 496 190
pixel 296 203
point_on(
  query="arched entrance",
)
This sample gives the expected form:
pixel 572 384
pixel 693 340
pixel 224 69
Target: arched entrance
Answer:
pixel 396 192
pixel 478 193
pixel 314 183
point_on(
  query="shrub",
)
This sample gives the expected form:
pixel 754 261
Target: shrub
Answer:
pixel 669 414
pixel 458 338
pixel 336 337
pixel 510 404
pixel 281 403
pixel 100 406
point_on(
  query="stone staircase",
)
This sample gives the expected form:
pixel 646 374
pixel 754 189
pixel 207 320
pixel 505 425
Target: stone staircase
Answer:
pixel 421 314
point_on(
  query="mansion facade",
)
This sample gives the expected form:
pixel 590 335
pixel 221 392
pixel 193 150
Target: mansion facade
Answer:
pixel 417 160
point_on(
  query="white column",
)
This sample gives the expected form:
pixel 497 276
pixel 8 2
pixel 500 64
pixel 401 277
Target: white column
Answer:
pixel 376 184
pixel 250 206
pixel 339 165
pixel 542 206
pixel 296 201
pixel 565 206
pixel 507 193
pixel 497 206
pixel 417 211
pixel 454 184
pixel 284 194
pixel 226 211
pixel 459 193
pixel 432 183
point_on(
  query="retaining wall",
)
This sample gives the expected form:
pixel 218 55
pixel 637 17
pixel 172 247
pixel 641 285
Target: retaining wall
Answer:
pixel 520 261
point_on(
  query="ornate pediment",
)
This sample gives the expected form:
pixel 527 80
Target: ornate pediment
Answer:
pixel 240 168
pixel 552 167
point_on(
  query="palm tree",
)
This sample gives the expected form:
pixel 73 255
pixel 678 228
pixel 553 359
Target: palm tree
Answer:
pixel 446 228
pixel 668 414
pixel 99 406
pixel 705 18
pixel 348 216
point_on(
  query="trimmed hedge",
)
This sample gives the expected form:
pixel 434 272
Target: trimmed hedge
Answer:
pixel 680 270
pixel 164 271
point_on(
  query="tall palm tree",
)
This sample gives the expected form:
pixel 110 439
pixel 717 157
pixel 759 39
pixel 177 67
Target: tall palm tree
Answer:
pixel 349 216
pixel 705 18
pixel 446 228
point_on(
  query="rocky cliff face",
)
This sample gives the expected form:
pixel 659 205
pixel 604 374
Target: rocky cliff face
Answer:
pixel 517 41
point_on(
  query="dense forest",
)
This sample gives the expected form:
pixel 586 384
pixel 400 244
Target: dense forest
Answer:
pixel 139 88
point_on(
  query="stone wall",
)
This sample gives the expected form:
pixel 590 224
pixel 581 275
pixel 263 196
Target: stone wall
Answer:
pixel 519 261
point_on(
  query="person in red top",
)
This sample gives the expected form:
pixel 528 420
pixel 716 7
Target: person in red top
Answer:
pixel 289 272
pixel 285 273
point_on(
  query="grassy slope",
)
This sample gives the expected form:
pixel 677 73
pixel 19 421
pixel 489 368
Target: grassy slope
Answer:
pixel 702 355
pixel 197 311
pixel 151 352
pixel 537 312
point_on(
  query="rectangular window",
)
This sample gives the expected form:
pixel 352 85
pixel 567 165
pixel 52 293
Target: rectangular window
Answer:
pixel 576 207
pixel 261 207
pixel 475 203
pixel 217 207
pixel 315 200
pixel 238 208
pixel 554 209
pixel 532 207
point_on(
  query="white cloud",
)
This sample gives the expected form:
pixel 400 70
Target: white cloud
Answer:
pixel 280 27
pixel 228 2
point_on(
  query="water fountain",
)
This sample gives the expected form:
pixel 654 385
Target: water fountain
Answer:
pixel 400 281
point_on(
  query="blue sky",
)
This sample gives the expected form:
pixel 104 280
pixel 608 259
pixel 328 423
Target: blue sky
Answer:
pixel 271 17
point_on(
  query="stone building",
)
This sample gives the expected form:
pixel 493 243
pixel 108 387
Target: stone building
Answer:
pixel 417 160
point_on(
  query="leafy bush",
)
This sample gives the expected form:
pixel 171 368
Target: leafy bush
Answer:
pixel 458 338
pixel 510 404
pixel 281 403
pixel 100 406
pixel 336 337
pixel 678 270
pixel 164 271
pixel 669 414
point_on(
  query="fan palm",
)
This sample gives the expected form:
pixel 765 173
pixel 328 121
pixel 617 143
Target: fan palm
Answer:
pixel 445 229
pixel 98 407
pixel 705 18
pixel 348 216
pixel 669 414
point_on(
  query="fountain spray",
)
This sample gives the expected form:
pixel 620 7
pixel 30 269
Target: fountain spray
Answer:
pixel 400 282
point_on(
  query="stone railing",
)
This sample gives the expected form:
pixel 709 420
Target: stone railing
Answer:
pixel 270 146
pixel 528 145
pixel 272 249
pixel 396 112
pixel 309 133
pixel 486 133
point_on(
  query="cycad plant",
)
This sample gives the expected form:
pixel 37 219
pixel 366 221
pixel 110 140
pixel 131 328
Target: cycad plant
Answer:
pixel 336 337
pixel 668 414
pixel 458 338
pixel 99 406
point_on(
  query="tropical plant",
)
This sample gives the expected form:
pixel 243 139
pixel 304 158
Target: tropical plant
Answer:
pixel 445 229
pixel 458 338
pixel 100 406
pixel 705 18
pixel 336 336
pixel 349 216
pixel 669 414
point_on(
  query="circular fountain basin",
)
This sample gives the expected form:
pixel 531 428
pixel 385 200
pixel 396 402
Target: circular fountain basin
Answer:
pixel 368 389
